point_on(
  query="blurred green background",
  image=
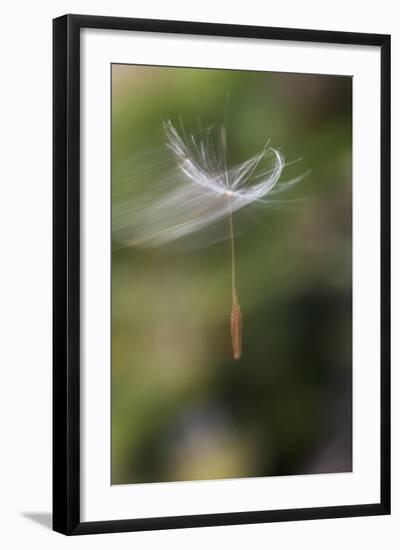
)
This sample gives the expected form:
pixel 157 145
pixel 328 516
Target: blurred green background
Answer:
pixel 182 409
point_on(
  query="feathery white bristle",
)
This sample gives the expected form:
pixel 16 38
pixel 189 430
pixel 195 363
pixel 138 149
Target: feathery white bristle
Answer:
pixel 195 192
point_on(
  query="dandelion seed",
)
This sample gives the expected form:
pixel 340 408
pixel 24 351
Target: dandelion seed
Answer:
pixel 240 185
pixel 200 191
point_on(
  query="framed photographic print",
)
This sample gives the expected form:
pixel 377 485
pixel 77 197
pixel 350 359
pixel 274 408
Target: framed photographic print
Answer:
pixel 221 274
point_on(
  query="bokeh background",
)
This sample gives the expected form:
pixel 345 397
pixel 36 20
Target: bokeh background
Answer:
pixel 182 409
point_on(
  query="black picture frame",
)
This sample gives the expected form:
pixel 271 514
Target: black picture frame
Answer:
pixel 66 273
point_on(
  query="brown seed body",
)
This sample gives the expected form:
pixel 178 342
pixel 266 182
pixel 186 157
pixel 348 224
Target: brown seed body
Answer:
pixel 236 327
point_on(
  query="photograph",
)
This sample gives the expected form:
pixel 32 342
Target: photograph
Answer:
pixel 231 274
pixel 200 250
